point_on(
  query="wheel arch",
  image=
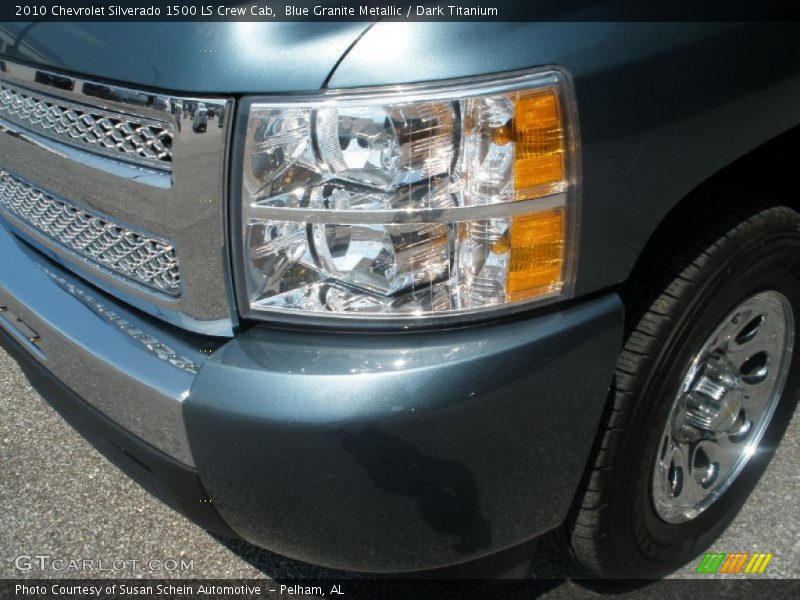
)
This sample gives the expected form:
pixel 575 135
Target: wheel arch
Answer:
pixel 761 171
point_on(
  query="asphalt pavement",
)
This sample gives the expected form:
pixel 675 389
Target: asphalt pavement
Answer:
pixel 60 498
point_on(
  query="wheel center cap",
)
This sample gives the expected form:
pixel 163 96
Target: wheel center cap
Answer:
pixel 713 403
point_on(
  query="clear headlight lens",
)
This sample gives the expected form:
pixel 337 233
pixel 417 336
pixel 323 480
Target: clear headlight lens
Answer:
pixel 418 201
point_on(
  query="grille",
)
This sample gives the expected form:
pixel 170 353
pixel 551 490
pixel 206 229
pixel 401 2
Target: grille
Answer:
pixel 134 255
pixel 98 130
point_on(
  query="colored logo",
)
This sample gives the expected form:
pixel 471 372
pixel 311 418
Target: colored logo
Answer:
pixel 735 562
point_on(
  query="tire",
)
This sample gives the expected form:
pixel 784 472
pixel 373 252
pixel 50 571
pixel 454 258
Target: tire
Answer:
pixel 707 268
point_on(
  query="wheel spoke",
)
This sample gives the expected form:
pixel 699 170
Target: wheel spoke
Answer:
pixel 671 467
pixel 714 460
pixel 741 430
pixel 755 400
pixel 681 482
pixel 749 355
pixel 755 333
pixel 729 334
pixel 692 490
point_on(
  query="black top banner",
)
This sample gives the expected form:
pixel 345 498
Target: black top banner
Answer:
pixel 370 10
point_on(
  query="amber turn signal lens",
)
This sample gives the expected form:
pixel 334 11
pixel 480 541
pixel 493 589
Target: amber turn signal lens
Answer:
pixel 539 144
pixel 536 258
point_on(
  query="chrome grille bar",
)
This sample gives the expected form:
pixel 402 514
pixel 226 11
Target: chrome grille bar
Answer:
pixel 134 255
pixel 127 137
pixel 130 162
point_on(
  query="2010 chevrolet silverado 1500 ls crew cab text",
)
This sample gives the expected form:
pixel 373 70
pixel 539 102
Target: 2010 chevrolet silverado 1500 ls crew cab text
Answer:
pixel 421 291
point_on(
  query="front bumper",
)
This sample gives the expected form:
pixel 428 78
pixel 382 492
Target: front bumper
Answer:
pixel 371 452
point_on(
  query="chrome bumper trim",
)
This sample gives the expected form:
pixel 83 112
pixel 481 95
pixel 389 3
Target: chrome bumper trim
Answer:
pixel 131 369
pixel 158 348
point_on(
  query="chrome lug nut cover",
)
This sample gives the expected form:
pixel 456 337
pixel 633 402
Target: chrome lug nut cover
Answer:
pixel 713 403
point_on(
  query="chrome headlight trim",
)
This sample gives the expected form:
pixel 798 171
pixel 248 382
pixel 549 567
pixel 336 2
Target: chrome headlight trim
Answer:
pixel 445 90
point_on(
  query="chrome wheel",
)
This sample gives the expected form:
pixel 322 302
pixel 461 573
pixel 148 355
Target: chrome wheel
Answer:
pixel 724 404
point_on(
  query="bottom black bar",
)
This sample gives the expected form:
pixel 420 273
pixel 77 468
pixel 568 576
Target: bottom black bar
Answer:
pixel 347 589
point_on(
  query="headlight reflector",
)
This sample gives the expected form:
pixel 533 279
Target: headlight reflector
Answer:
pixel 415 202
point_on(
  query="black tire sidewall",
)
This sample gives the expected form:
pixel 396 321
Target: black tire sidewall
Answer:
pixel 642 541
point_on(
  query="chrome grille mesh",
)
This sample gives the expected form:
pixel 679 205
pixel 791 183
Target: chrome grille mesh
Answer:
pixel 136 256
pixel 126 136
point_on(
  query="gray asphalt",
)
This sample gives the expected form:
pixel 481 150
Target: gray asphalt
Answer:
pixel 59 497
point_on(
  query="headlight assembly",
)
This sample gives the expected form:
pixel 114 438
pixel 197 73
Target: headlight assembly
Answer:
pixel 410 202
